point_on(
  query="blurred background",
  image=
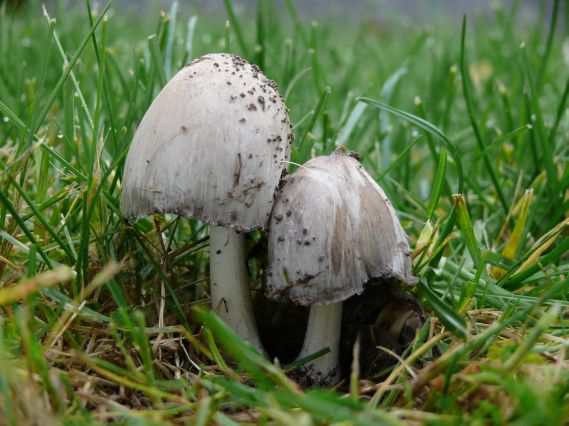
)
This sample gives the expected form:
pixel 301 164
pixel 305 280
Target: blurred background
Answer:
pixel 381 10
pixel 417 10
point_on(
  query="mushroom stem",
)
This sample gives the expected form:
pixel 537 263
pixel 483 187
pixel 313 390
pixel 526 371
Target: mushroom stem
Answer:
pixel 323 330
pixel 230 290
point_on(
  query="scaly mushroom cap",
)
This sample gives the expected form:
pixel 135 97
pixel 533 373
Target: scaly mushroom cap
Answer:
pixel 213 146
pixel 332 230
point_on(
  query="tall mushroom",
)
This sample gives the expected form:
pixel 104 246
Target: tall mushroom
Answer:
pixel 332 231
pixel 213 146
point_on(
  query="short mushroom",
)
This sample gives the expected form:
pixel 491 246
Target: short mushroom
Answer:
pixel 213 146
pixel 332 231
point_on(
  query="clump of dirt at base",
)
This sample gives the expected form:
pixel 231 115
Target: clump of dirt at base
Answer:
pixel 382 316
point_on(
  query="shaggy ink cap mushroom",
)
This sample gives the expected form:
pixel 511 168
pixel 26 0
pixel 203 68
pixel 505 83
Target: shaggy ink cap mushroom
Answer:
pixel 213 146
pixel 333 230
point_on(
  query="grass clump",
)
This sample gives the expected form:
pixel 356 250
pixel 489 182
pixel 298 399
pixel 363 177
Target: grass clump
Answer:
pixel 464 126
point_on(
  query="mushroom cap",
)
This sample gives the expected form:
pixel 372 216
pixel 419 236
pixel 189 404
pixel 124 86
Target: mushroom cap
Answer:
pixel 212 146
pixel 333 230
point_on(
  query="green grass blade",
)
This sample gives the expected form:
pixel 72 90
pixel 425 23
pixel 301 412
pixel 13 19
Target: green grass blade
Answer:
pixel 157 61
pixel 448 316
pixel 535 112
pixel 69 68
pixel 10 207
pixel 298 29
pixel 466 226
pixel 427 127
pixel 477 133
pixel 400 157
pixel 170 41
pixel 548 44
pixel 236 27
pixel 261 48
pixel 438 184
pixel 303 145
pixel 37 214
pixel 192 22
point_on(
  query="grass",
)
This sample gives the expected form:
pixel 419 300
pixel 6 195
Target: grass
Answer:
pixel 464 125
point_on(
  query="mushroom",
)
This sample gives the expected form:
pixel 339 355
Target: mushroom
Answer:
pixel 213 146
pixel 332 231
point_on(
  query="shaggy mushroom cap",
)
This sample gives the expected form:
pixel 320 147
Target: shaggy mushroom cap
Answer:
pixel 332 231
pixel 213 146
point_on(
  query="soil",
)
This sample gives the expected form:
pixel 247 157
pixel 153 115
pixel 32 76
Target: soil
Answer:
pixel 281 327
pixel 382 316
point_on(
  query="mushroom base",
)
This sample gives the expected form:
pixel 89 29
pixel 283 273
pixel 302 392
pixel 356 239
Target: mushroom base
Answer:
pixel 384 315
pixel 323 331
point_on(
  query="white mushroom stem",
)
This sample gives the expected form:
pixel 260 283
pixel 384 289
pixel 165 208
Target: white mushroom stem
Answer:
pixel 323 331
pixel 230 290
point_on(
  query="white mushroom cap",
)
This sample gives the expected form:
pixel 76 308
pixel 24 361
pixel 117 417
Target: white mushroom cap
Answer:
pixel 213 145
pixel 333 230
